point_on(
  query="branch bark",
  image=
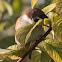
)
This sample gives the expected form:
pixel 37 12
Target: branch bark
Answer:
pixel 36 43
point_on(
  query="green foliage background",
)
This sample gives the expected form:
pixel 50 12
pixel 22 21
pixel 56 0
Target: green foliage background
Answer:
pixel 48 51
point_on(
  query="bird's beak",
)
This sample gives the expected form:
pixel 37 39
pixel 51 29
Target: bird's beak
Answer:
pixel 38 18
pixel 42 17
pixel 45 16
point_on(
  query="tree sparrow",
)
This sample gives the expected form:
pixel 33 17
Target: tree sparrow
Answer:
pixel 29 17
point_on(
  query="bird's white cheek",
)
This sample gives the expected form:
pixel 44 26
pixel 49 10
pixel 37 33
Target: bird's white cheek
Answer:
pixel 27 19
pixel 23 21
pixel 31 21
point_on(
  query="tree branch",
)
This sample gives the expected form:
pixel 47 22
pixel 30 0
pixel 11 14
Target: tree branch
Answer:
pixel 36 43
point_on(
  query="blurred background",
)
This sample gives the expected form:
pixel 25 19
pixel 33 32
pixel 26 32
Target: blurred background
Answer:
pixel 10 10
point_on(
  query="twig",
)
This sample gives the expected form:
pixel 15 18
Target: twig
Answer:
pixel 36 43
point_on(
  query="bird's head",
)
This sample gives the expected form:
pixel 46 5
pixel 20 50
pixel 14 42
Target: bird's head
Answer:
pixel 30 16
pixel 35 14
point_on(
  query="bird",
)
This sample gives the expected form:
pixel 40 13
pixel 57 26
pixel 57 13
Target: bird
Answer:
pixel 30 16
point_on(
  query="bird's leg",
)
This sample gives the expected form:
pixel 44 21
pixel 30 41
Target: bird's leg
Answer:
pixel 31 44
pixel 30 53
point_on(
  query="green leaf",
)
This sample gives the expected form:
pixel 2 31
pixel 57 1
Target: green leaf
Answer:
pixel 36 56
pixel 27 59
pixel 46 10
pixel 22 32
pixel 9 24
pixel 49 8
pixel 57 21
pixel 45 57
pixel 9 60
pixel 3 53
pixel 54 49
pixel 40 56
pixel 33 2
pixel 2 7
pixel 13 47
pixel 39 23
pixel 17 6
pixel 16 53
pixel 7 41
pixel 12 52
pixel 9 8
pixel 53 1
pixel 57 27
pixel 47 22
pixel 2 24
pixel 59 7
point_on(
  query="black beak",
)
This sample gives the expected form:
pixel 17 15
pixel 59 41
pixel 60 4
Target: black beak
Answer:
pixel 45 16
pixel 41 17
